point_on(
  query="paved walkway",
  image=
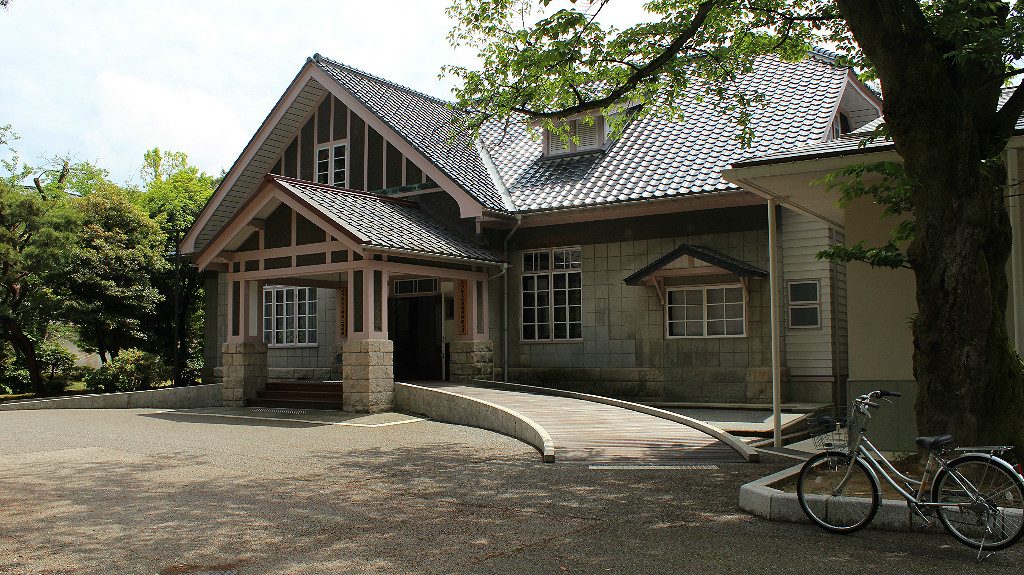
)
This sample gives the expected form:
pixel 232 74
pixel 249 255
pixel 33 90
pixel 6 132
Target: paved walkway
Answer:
pixel 586 431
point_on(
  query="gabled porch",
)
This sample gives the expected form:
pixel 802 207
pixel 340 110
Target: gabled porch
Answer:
pixel 389 264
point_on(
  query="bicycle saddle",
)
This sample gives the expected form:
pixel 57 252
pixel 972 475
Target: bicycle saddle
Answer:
pixel 934 442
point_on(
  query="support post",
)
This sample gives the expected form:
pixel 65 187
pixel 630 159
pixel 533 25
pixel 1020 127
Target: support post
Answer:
pixel 1013 200
pixel 773 274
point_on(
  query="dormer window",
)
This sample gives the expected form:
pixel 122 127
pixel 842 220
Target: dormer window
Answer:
pixel 589 136
pixel 840 126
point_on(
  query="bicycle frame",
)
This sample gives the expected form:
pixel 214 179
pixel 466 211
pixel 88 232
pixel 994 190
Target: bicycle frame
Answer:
pixel 879 465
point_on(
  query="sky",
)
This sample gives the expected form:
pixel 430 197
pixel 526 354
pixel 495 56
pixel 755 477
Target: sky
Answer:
pixel 103 81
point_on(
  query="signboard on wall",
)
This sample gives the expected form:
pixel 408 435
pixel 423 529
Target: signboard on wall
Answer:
pixel 462 305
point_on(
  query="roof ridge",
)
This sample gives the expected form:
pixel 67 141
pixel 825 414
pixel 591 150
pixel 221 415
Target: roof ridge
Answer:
pixel 340 190
pixel 321 58
pixel 823 54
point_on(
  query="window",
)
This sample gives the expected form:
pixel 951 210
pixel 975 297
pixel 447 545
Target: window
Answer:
pixel 330 164
pixel 706 311
pixel 416 286
pixel 840 125
pixel 804 304
pixel 289 315
pixel 553 294
pixel 589 136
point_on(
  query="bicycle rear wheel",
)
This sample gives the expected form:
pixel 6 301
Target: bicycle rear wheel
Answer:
pixel 984 500
pixel 838 492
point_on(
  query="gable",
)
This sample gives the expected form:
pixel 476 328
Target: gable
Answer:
pixel 373 162
pixel 389 155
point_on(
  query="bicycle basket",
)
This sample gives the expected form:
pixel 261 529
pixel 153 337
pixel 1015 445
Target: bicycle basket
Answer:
pixel 829 433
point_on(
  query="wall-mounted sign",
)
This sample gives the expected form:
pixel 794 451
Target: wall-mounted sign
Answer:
pixel 462 305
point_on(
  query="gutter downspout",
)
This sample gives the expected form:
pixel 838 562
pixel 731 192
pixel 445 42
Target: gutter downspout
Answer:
pixel 504 306
pixel 1013 201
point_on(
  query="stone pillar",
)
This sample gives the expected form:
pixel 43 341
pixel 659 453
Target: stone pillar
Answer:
pixel 368 375
pixel 472 360
pixel 244 371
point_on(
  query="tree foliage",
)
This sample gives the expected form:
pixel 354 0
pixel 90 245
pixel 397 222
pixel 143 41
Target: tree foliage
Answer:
pixel 37 240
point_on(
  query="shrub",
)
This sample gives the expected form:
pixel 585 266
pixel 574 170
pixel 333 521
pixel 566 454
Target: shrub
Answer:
pixel 131 370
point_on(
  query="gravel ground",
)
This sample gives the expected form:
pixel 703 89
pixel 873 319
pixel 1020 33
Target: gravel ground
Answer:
pixel 139 491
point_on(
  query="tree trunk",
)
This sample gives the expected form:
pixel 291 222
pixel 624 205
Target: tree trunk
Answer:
pixel 969 377
pixel 27 348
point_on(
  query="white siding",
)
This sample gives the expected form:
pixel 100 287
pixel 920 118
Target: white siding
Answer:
pixel 809 351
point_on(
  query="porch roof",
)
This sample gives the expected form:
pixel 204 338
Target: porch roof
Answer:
pixel 707 255
pixel 386 223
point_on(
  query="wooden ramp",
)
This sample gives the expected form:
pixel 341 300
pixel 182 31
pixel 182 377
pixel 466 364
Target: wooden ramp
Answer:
pixel 586 431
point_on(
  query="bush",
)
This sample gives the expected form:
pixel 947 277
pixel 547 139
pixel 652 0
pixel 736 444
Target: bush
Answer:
pixel 131 370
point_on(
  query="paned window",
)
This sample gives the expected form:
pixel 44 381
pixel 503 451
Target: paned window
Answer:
pixel 552 294
pixel 706 311
pixel 804 304
pixel 289 315
pixel 330 165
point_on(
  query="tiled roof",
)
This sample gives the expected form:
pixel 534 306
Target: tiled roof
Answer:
pixel 856 142
pixel 390 223
pixel 427 124
pixel 659 157
pixel 707 255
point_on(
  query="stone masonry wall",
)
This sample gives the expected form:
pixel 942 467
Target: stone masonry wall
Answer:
pixel 471 360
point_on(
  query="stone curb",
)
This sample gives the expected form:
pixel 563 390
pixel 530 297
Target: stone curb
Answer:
pixel 209 395
pixel 459 409
pixel 748 452
pixel 761 500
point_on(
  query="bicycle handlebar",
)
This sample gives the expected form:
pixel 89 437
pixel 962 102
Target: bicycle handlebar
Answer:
pixel 884 393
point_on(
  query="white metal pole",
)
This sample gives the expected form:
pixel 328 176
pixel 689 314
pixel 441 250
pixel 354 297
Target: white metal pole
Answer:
pixel 773 279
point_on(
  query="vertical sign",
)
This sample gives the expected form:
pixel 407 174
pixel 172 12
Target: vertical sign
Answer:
pixel 343 311
pixel 462 304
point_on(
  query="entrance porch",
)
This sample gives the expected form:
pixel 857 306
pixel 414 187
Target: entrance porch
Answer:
pixel 409 291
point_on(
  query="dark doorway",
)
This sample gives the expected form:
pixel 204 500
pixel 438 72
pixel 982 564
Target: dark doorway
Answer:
pixel 414 324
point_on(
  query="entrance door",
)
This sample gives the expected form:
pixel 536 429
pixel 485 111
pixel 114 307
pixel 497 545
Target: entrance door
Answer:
pixel 415 327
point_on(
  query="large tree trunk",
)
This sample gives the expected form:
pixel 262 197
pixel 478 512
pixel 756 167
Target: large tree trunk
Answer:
pixel 969 377
pixel 27 348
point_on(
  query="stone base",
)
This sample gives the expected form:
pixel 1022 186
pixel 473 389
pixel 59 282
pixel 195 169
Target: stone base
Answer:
pixel 368 375
pixel 471 360
pixel 759 384
pixel 244 371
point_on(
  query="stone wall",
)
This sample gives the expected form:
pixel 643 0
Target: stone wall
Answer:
pixel 471 360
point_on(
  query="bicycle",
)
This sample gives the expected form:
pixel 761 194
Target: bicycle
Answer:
pixel 977 495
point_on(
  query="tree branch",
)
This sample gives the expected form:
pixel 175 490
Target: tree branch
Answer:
pixel 1007 116
pixel 644 72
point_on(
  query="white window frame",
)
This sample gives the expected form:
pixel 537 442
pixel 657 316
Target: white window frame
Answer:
pixel 569 267
pixel 551 140
pixel 331 149
pixel 274 300
pixel 704 313
pixel 803 304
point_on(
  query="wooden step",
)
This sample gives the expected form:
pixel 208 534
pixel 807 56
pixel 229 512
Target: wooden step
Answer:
pixel 291 385
pixel 329 396
pixel 296 404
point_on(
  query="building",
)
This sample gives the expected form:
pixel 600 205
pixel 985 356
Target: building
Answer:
pixel 360 237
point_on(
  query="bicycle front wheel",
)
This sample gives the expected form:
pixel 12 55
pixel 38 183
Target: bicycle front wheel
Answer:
pixel 983 502
pixel 838 492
